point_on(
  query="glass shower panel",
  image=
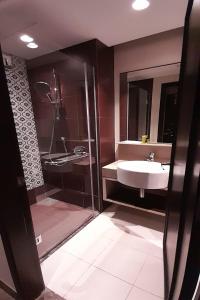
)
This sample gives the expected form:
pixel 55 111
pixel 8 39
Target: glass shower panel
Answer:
pixel 53 105
pixel 62 98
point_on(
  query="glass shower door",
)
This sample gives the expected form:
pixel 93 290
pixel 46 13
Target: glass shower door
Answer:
pixel 54 111
pixel 63 104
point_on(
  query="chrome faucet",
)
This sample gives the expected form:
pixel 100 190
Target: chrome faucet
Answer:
pixel 151 156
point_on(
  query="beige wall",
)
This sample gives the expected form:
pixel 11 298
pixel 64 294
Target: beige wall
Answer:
pixel 159 49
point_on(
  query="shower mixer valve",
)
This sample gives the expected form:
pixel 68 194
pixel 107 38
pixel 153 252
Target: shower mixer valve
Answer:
pixel 80 150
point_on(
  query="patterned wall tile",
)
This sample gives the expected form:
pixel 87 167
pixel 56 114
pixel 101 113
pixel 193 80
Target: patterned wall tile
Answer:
pixel 25 124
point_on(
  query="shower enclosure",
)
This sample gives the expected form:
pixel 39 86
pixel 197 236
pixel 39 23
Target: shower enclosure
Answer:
pixel 60 162
pixel 63 102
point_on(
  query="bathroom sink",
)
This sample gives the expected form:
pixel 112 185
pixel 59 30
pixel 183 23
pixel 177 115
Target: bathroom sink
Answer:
pixel 143 174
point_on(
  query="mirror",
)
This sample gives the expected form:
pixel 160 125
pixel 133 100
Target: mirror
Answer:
pixel 148 101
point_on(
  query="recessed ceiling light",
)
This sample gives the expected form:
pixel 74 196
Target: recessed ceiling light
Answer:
pixel 140 4
pixel 32 45
pixel 26 38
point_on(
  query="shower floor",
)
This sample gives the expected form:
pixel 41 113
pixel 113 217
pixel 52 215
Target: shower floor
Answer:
pixel 56 220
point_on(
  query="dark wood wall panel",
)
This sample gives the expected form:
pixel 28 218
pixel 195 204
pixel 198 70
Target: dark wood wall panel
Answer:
pixel 72 123
pixel 68 64
pixel 101 57
pixel 106 104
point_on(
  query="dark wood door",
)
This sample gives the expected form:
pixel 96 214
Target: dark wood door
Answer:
pixel 181 241
pixel 16 226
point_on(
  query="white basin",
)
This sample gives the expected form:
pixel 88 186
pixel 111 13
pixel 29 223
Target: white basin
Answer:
pixel 143 174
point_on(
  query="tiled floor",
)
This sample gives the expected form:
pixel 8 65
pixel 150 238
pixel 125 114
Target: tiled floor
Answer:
pixel 55 220
pixel 118 256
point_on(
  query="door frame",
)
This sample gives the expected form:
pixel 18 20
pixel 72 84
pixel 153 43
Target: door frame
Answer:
pixel 16 226
pixel 182 218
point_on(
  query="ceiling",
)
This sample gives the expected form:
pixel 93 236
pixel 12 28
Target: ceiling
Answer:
pixel 57 24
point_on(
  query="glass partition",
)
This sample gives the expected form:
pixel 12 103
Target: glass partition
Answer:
pixel 53 101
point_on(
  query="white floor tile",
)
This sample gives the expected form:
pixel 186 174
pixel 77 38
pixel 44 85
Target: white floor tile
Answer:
pixel 103 226
pixel 86 246
pixel 144 233
pixel 137 294
pixel 121 261
pixel 96 284
pixel 124 247
pixel 135 217
pixel 151 245
pixel 151 277
pixel 61 271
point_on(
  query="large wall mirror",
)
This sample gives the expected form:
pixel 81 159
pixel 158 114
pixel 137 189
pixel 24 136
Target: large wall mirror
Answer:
pixel 148 103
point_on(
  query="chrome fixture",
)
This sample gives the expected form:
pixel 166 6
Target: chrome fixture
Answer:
pixel 89 132
pixel 142 193
pixel 44 89
pixel 151 156
pixel 63 139
pixel 79 150
pixel 53 93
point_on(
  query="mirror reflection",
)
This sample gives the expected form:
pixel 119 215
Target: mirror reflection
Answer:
pixel 148 102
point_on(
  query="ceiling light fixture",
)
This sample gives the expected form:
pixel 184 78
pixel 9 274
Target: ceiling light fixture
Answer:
pixel 32 45
pixel 26 38
pixel 140 4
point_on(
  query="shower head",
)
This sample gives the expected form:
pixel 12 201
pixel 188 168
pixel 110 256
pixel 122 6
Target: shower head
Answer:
pixel 44 89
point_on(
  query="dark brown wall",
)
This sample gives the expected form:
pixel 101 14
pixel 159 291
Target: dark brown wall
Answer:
pixel 101 57
pixel 72 124
pixel 69 65
pixel 105 99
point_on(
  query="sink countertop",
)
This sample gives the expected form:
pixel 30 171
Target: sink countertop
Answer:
pixel 110 171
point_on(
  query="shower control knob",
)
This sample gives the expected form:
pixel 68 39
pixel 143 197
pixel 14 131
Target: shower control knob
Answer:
pixel 80 150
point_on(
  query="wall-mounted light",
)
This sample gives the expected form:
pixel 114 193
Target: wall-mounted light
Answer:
pixel 32 45
pixel 26 38
pixel 140 4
